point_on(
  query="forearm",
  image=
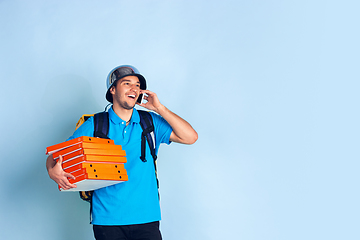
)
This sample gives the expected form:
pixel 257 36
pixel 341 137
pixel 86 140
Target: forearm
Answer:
pixel 183 132
pixel 50 163
pixel 51 168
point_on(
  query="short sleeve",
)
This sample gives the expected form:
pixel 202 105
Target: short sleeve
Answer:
pixel 162 128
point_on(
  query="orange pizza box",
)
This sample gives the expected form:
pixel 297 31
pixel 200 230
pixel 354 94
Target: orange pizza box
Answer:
pixel 110 168
pixel 88 158
pixel 66 144
pixel 104 149
pixel 89 168
pixel 93 181
pixel 70 156
pixel 100 171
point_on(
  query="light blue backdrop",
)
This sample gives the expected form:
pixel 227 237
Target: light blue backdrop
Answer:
pixel 271 87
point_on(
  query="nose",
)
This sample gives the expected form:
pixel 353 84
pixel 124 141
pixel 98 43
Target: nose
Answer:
pixel 135 87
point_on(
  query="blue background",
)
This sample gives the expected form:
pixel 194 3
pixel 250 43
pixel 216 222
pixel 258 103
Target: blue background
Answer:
pixel 271 87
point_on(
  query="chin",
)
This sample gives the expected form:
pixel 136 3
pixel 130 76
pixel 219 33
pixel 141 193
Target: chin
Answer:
pixel 127 106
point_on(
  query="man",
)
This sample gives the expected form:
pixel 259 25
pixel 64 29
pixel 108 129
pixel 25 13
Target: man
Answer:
pixel 129 210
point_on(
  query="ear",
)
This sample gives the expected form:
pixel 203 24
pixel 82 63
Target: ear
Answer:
pixel 112 89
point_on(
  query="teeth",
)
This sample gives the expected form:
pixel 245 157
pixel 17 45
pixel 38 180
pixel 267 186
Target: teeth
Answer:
pixel 132 96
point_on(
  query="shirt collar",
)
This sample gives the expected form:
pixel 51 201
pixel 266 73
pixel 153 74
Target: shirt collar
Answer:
pixel 117 120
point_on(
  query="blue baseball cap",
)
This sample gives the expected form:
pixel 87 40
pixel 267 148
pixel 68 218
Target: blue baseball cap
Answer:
pixel 120 72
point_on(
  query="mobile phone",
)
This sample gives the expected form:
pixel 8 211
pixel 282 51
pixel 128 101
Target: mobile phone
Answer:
pixel 140 99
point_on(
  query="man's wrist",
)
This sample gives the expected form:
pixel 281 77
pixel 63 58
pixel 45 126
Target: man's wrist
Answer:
pixel 160 110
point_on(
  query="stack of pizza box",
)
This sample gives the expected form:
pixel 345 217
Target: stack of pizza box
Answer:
pixel 94 162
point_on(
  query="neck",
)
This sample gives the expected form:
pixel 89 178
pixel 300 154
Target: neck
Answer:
pixel 124 114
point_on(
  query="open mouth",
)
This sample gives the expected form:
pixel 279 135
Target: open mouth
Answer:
pixel 132 96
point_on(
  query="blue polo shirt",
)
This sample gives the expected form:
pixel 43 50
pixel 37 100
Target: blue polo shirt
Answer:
pixel 136 200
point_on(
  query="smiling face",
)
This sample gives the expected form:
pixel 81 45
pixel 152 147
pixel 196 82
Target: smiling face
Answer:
pixel 125 92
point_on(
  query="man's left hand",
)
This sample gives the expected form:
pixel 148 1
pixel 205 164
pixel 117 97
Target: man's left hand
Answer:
pixel 152 103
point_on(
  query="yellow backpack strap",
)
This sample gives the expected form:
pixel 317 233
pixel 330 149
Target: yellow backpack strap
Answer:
pixel 83 119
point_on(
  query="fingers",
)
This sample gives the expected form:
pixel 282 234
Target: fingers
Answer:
pixel 148 92
pixel 63 180
pixel 141 104
pixel 66 185
pixel 68 175
pixel 60 160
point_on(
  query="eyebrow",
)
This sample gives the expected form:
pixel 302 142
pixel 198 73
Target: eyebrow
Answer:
pixel 127 80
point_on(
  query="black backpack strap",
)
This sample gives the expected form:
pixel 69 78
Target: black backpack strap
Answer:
pixel 147 126
pixel 101 125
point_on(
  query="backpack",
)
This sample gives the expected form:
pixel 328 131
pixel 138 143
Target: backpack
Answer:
pixel 101 130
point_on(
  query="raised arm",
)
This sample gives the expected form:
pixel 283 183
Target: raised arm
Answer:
pixel 183 132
